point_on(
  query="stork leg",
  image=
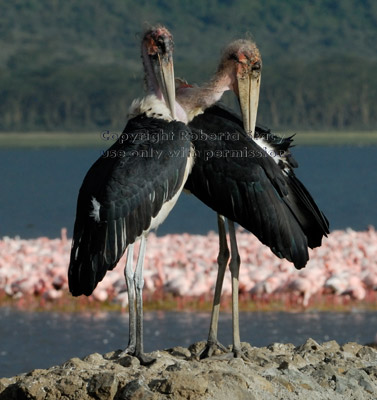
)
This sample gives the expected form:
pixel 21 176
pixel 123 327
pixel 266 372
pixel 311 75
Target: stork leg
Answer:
pixel 129 275
pixel 234 267
pixel 139 284
pixel 222 260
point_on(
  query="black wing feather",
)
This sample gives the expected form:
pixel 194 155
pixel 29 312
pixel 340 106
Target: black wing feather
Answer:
pixel 130 193
pixel 252 189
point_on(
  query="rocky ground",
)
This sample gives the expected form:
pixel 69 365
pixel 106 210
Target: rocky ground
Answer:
pixel 279 371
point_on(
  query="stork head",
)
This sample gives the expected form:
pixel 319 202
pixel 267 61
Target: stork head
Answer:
pixel 242 62
pixel 157 52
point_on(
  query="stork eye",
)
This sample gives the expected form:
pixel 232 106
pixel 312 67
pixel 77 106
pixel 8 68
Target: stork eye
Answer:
pixel 163 43
pixel 256 66
pixel 234 57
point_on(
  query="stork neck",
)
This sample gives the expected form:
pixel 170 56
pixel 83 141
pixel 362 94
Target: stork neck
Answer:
pixel 195 100
pixel 215 88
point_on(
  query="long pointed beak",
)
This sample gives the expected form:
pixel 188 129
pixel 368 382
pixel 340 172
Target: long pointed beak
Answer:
pixel 248 88
pixel 165 77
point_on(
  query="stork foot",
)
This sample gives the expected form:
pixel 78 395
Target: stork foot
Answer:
pixel 129 351
pixel 211 349
pixel 238 353
pixel 142 357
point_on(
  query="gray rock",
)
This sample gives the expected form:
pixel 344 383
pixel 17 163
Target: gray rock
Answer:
pixel 103 386
pixel 312 371
pixel 351 348
pixel 180 352
pixel 362 379
pixel 325 375
pixel 309 346
pixel 368 354
pixel 136 389
pixel 281 348
pixel 371 370
pixel 128 362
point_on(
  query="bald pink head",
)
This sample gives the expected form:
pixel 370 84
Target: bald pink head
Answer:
pixel 158 41
pixel 239 70
pixel 240 58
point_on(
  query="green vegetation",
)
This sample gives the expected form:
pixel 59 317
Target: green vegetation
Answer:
pixel 287 302
pixel 75 66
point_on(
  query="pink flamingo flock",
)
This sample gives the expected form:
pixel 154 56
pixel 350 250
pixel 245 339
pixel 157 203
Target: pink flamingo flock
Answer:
pixel 185 266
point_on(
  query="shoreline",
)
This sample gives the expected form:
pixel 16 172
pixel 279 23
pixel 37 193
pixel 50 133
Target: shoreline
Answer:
pixel 290 303
pixel 99 140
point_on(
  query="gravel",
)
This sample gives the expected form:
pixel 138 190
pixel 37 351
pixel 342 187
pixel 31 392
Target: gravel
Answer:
pixel 279 371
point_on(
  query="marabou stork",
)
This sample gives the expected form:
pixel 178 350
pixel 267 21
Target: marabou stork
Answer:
pixel 132 188
pixel 244 176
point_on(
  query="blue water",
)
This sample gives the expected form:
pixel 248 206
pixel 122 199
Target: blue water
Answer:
pixel 39 190
pixel 32 340
pixel 38 196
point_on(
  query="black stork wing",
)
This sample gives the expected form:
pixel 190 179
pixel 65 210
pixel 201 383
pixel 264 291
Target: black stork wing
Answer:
pixel 280 145
pixel 123 193
pixel 312 221
pixel 238 179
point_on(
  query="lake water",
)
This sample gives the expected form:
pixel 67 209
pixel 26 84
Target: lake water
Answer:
pixel 32 340
pixel 38 196
pixel 39 190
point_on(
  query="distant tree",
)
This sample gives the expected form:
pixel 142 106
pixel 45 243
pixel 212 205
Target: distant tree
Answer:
pixel 76 65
